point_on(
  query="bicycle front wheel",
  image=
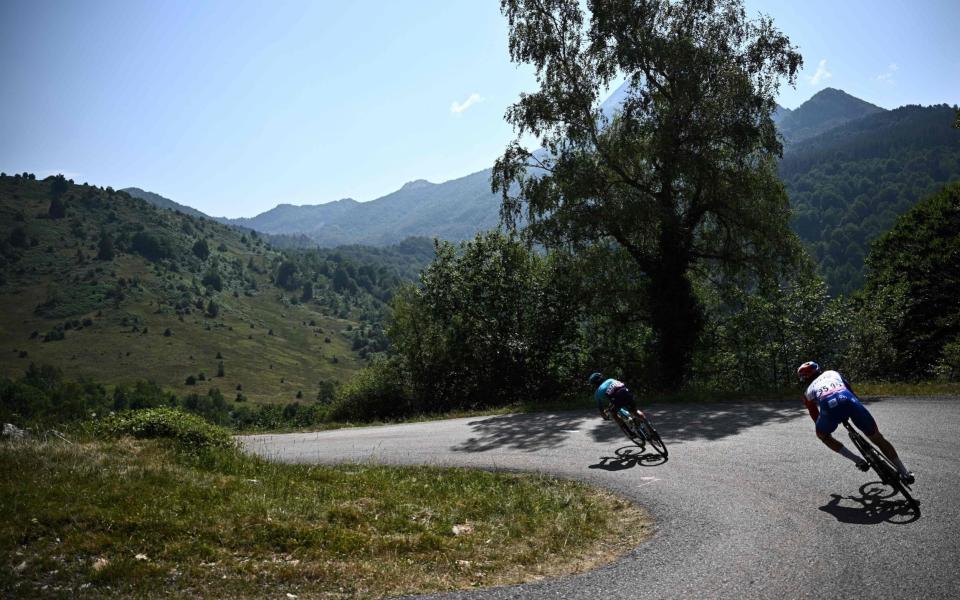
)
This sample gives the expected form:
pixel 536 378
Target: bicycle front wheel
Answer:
pixel 887 472
pixel 654 437
pixel 892 478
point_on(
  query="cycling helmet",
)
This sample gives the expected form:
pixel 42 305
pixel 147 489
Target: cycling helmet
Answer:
pixel 595 379
pixel 808 370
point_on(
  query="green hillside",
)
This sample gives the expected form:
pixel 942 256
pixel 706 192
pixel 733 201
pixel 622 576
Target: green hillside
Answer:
pixel 108 287
pixel 848 185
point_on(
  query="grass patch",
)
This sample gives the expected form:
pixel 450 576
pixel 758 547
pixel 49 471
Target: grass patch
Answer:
pixel 138 518
pixel 928 388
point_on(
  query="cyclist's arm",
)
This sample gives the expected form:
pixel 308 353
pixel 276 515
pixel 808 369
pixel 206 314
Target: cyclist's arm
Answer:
pixel 601 404
pixel 847 383
pixel 812 408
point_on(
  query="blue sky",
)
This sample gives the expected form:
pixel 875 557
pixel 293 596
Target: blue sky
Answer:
pixel 234 107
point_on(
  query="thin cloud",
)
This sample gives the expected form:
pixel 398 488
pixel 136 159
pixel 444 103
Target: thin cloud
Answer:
pixel 821 75
pixel 887 76
pixel 458 107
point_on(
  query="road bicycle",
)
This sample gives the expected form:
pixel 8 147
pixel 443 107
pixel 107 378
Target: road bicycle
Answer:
pixel 881 465
pixel 640 431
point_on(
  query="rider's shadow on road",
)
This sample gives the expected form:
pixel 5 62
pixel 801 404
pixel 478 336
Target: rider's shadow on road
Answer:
pixel 873 506
pixel 628 457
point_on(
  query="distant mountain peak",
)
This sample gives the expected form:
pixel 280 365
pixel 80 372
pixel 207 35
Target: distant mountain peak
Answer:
pixel 825 110
pixel 417 184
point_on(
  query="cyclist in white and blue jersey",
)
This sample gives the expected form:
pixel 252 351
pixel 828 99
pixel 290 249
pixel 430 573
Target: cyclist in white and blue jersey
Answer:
pixel 830 399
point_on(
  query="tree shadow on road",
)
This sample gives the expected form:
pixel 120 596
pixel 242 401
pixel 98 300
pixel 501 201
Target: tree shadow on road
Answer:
pixel 521 431
pixel 874 505
pixel 684 422
pixel 675 422
pixel 628 457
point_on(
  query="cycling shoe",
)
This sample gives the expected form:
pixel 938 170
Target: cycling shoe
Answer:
pixel 907 478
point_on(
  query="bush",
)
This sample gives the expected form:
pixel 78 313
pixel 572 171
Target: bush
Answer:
pixel 376 392
pixel 189 432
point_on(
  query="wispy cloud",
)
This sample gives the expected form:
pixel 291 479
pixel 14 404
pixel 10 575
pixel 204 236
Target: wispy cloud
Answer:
pixel 822 74
pixel 458 107
pixel 887 76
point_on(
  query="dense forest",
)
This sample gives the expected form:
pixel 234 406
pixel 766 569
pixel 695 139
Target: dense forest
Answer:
pixel 849 185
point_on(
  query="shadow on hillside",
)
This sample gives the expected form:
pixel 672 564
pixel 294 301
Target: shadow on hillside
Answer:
pixel 683 423
pixel 675 422
pixel 521 431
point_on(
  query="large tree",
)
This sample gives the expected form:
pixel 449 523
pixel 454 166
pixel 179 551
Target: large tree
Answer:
pixel 683 177
pixel 918 260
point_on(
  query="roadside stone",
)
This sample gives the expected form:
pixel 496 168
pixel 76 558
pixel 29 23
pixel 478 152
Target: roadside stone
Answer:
pixel 12 432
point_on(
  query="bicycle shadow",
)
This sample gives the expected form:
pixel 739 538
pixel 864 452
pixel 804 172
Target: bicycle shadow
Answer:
pixel 627 457
pixel 874 505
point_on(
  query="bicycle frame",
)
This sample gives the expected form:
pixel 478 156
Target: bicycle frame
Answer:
pixel 880 464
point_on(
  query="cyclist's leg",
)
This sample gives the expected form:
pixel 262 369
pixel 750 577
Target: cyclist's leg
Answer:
pixel 826 425
pixel 865 422
pixel 626 398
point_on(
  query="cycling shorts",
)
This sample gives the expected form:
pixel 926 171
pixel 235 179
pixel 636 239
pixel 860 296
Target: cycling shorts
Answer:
pixel 844 405
pixel 623 397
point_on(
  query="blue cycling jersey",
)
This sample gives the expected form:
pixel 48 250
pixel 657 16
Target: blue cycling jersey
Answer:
pixel 606 392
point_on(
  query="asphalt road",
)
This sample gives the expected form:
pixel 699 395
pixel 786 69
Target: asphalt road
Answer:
pixel 749 505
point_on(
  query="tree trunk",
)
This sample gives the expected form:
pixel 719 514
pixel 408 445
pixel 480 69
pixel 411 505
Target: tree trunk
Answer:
pixel 676 314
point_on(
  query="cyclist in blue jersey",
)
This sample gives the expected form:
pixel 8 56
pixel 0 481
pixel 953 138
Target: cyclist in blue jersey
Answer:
pixel 830 399
pixel 611 395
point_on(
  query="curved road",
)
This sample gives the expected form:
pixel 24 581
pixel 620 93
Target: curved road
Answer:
pixel 749 505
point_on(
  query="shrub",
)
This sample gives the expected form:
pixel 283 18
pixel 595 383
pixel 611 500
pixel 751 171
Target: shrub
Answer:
pixel 151 247
pixel 201 250
pixel 189 432
pixel 376 392
pixel 191 380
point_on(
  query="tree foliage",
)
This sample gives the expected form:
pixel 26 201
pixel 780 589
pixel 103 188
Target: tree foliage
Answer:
pixel 848 186
pixel 918 261
pixel 490 323
pixel 684 178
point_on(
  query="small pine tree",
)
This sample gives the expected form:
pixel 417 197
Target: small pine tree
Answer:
pixel 58 209
pixel 105 247
pixel 220 369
